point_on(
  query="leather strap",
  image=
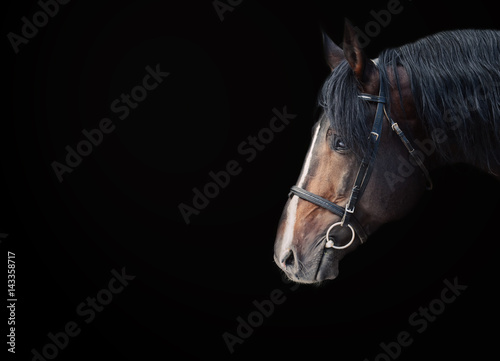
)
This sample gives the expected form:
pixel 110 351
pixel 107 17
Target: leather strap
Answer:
pixel 366 167
pixel 395 127
pixel 330 206
pixel 372 98
pixel 317 200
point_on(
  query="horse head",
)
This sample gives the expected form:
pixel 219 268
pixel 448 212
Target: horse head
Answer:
pixel 313 234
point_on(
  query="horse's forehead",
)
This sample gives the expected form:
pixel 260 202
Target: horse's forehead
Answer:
pixel 322 168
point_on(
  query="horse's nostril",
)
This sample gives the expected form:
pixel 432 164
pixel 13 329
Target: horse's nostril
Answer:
pixel 288 259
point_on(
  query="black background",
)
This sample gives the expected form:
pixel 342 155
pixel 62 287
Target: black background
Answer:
pixel 119 207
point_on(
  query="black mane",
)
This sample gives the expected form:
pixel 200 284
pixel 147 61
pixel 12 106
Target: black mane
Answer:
pixel 455 81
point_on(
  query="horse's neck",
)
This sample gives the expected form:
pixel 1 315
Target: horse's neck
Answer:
pixel 436 161
pixel 493 169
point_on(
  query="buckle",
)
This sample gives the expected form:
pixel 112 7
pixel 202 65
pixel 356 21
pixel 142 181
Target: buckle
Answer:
pixel 345 218
pixel 395 127
pixel 376 135
pixel 350 210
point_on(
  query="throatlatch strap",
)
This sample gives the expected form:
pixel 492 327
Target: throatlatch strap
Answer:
pixel 395 127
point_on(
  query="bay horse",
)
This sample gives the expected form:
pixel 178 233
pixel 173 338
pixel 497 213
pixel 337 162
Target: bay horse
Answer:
pixel 384 125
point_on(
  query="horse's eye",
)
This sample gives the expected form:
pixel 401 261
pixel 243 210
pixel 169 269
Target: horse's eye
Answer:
pixel 338 143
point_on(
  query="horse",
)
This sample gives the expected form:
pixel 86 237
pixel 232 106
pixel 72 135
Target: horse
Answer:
pixel 385 125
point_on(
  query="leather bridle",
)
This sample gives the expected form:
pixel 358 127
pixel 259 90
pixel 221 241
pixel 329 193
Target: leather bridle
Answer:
pixel 365 170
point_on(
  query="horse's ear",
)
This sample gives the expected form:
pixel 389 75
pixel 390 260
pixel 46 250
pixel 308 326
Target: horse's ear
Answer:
pixel 354 53
pixel 333 53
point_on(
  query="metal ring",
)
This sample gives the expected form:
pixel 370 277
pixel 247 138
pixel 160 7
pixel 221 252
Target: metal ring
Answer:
pixel 330 244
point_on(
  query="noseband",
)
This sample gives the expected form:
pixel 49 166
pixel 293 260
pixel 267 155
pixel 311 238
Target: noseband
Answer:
pixel 365 170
